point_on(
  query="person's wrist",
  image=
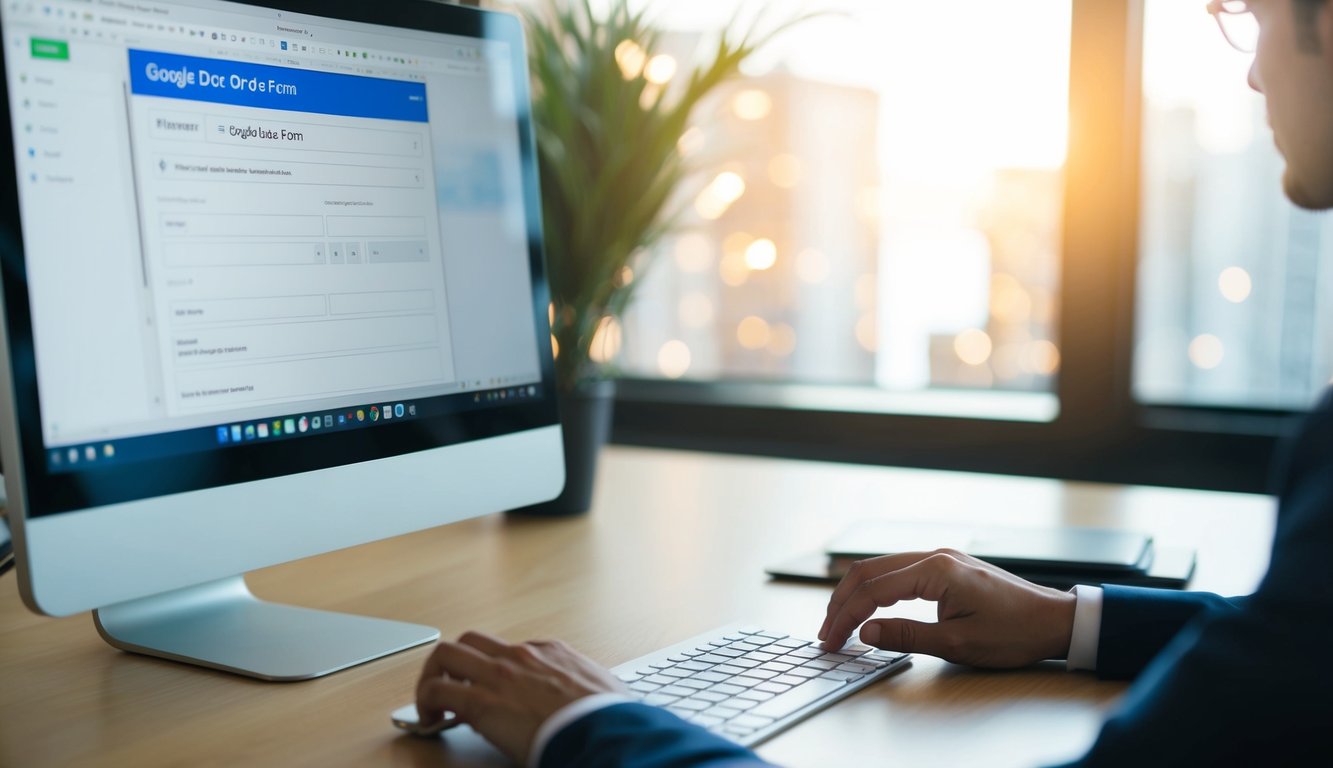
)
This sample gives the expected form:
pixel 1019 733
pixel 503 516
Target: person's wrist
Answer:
pixel 1058 623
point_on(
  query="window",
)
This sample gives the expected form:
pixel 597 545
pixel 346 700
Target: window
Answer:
pixel 1032 237
pixel 1235 284
pixel 885 217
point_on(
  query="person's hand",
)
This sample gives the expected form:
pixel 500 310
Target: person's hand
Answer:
pixel 504 691
pixel 987 616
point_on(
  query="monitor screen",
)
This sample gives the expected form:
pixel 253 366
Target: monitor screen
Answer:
pixel 250 242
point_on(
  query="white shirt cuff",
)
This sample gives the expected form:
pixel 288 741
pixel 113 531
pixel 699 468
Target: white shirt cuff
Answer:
pixel 1087 629
pixel 567 715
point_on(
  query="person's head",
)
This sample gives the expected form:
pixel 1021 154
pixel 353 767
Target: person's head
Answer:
pixel 1293 69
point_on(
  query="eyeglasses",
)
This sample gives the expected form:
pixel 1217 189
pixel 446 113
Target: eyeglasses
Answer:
pixel 1237 23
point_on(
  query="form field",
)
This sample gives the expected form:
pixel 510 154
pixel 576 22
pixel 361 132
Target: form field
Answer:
pixel 381 301
pixel 243 309
pixel 243 344
pixel 206 389
pixel 185 255
pixel 240 225
pixel 249 171
pixel 312 137
pixel 397 252
pixel 377 226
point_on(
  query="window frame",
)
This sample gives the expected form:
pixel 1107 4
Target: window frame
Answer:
pixel 1101 433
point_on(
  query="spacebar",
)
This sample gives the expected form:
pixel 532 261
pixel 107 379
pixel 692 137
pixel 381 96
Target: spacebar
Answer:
pixel 802 695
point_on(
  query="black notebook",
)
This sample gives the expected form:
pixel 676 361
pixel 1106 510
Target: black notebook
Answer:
pixel 1055 557
pixel 1172 568
pixel 1062 550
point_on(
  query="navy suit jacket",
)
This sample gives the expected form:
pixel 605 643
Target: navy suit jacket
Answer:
pixel 1217 681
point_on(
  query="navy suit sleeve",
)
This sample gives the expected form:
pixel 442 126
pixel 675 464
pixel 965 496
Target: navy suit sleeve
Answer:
pixel 1137 623
pixel 636 735
pixel 1247 685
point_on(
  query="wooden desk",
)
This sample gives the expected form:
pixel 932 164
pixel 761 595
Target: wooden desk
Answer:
pixel 676 545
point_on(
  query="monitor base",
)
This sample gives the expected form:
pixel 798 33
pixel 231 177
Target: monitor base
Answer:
pixel 222 625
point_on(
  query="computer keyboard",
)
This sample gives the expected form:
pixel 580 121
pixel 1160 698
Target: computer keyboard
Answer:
pixel 748 684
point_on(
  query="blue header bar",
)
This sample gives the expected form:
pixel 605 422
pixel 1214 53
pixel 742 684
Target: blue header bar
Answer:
pixel 241 84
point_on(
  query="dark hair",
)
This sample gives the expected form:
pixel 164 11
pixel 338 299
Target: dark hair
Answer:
pixel 1306 10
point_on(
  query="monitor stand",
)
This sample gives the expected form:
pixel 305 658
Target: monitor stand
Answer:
pixel 222 625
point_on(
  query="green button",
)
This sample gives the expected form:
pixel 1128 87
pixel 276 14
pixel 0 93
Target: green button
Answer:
pixel 50 49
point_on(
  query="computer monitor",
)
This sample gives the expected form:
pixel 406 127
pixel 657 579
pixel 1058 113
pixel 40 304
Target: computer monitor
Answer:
pixel 273 286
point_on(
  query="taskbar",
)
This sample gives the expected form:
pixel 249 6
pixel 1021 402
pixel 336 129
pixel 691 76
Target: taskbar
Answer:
pixel 82 457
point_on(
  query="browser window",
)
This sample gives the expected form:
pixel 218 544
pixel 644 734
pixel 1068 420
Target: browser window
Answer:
pixel 236 216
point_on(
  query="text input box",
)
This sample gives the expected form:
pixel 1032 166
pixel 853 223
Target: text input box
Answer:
pixel 316 137
pixel 190 254
pixel 207 389
pixel 240 225
pixel 239 344
pixel 251 171
pixel 397 251
pixel 191 311
pixel 376 226
pixel 380 301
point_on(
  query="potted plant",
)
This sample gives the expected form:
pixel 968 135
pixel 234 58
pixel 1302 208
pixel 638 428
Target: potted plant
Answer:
pixel 609 112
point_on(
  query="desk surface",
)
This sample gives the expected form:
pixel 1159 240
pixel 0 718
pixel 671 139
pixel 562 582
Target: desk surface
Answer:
pixel 675 545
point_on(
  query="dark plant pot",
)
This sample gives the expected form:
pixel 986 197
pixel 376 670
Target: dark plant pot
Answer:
pixel 585 420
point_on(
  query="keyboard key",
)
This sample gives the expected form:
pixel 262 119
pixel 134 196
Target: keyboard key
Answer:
pixel 673 672
pixel 726 713
pixel 772 687
pixel 727 688
pixel 646 671
pixel 855 668
pixel 777 666
pixel 693 665
pixel 642 687
pixel 755 695
pixel 691 654
pixel 761 674
pixel 676 690
pixel 658 699
pixel 790 679
pixel 712 677
pixel 734 637
pixel 773 635
pixel 836 658
pixel 748 720
pixel 856 649
pixel 660 680
pixel 791 642
pixel 746 647
pixel 659 664
pixel 693 705
pixel 805 672
pixel 761 656
pixel 700 685
pixel 742 704
pixel 711 658
pixel 629 677
pixel 884 655
pixel 680 712
pixel 728 669
pixel 820 664
pixel 846 677
pixel 707 721
pixel 743 663
pixel 712 696
pixel 737 730
pixel 808 652
pixel 729 653
pixel 678 659
pixel 795 699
